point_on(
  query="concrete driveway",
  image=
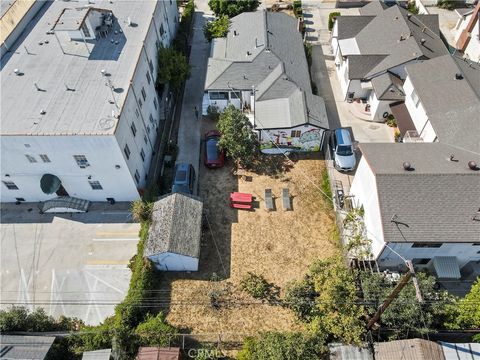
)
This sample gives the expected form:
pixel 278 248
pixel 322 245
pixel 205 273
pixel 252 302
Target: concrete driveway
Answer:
pixel 189 134
pixel 73 265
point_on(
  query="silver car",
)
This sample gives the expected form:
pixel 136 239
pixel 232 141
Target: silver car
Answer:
pixel 342 145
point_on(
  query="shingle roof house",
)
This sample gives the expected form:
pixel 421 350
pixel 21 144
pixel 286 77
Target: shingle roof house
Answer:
pixel 261 66
pixel 423 201
pixel 371 51
pixel 173 242
pixel 19 347
pixel 443 97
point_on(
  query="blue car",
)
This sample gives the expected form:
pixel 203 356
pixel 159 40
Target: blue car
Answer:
pixel 184 178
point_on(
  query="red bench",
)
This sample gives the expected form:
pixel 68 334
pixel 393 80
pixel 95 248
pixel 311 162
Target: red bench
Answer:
pixel 241 200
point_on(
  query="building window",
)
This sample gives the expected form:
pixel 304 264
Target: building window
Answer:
pixel 295 133
pixel 426 245
pixel 423 261
pixel 142 154
pixel 151 119
pixel 150 65
pixel 44 158
pixel 134 129
pixel 10 185
pixel 149 79
pixel 137 114
pixel 155 103
pixel 137 176
pixel 157 44
pixel 162 31
pixel 148 129
pixel 126 150
pixel 31 159
pixel 415 98
pixel 95 185
pixel 145 139
pixel 81 160
pixel 140 103
pixel 85 30
pixel 144 94
pixel 218 95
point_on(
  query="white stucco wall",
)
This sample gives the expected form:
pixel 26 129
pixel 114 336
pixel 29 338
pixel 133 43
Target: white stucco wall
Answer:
pixel 174 262
pixel 102 153
pixel 364 191
pixel 464 252
pixel 378 107
pixel 418 114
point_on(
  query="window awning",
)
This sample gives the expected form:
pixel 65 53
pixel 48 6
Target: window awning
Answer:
pixel 446 267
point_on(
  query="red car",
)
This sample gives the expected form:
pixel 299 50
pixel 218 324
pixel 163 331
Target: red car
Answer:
pixel 213 157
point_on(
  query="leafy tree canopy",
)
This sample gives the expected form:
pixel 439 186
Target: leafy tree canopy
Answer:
pixel 154 331
pixel 238 138
pixel 405 314
pixel 465 313
pixel 232 8
pixel 217 28
pixel 283 346
pixel 173 67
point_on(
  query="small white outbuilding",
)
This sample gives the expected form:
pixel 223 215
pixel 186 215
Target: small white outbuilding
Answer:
pixel 173 242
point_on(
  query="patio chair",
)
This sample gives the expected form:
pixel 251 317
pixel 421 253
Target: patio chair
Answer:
pixel 268 200
pixel 287 204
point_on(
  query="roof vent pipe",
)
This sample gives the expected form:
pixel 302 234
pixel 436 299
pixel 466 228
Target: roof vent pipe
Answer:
pixel 422 41
pixel 409 15
pixel 473 165
pixel 235 33
pixel 407 166
pixel 458 76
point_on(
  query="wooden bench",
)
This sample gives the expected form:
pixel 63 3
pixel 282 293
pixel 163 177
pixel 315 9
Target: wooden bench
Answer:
pixel 287 204
pixel 241 206
pixel 268 200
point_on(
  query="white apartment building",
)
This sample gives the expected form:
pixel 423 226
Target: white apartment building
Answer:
pixel 79 110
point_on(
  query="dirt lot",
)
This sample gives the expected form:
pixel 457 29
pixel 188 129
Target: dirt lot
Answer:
pixel 279 245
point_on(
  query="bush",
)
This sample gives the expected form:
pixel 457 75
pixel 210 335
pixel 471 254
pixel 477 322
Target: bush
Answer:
pixel 19 318
pixel 391 121
pixel 411 7
pixel 141 211
pixel 331 19
pixel 154 331
pixel 300 298
pixel 232 8
pixel 308 53
pixel 213 113
pixel 217 28
pixel 297 8
pixel 326 189
pixel 446 4
pixel 259 288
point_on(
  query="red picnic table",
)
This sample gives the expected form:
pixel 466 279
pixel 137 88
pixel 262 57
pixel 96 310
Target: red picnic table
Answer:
pixel 241 200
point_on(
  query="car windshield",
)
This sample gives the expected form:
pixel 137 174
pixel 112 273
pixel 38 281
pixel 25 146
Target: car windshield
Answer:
pixel 181 176
pixel 344 150
pixel 212 149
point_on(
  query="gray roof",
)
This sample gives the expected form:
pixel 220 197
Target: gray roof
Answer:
pixel 360 65
pixel 71 19
pixel 16 347
pixel 388 86
pixel 452 106
pixel 398 36
pixel 86 110
pixel 462 351
pixel 411 349
pixel 438 199
pixel 264 50
pixel 339 351
pixel 373 8
pixel 176 226
pixel 97 355
pixel 349 26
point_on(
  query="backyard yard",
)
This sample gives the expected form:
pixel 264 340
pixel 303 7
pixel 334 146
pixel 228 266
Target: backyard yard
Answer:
pixel 278 244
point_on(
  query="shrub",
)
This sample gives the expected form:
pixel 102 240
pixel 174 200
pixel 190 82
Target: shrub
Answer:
pixel 411 7
pixel 259 288
pixel 446 4
pixel 297 8
pixel 217 28
pixel 326 189
pixel 173 68
pixel 154 331
pixel 19 318
pixel 308 53
pixel 141 211
pixel 331 19
pixel 391 121
pixel 300 298
pixel 232 8
pixel 213 113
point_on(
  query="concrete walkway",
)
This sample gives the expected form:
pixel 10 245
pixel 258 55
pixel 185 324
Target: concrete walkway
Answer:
pixel 189 134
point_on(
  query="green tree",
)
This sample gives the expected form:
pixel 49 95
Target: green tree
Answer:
pixel 327 300
pixel 19 318
pixel 405 314
pixel 154 331
pixel 465 313
pixel 173 68
pixel 217 28
pixel 258 287
pixel 232 8
pixel 283 346
pixel 238 138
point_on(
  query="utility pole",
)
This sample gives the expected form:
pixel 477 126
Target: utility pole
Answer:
pixel 381 309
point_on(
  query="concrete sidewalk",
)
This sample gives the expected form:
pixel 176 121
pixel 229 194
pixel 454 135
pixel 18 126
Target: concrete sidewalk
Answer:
pixel 189 134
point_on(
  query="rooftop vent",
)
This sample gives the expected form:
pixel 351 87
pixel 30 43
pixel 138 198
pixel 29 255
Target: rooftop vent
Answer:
pixel 424 28
pixel 235 33
pixel 458 76
pixel 245 76
pixel 422 41
pixel 452 158
pixel 472 165
pixel 407 166
pixel 409 15
pixel 249 53
pixel 402 37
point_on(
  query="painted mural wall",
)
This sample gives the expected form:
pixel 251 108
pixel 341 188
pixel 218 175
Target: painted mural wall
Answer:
pixel 300 138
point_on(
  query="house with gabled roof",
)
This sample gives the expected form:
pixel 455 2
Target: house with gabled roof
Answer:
pixel 371 51
pixel 421 202
pixel 261 68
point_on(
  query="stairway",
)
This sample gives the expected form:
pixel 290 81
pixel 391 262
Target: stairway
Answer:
pixel 65 204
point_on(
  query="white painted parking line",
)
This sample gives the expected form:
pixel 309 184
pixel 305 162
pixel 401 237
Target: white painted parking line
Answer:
pixel 116 239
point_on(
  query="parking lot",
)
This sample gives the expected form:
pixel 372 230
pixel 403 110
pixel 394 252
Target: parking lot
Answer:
pixel 69 264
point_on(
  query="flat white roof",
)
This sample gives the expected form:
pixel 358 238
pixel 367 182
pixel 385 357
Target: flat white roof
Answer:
pixel 90 103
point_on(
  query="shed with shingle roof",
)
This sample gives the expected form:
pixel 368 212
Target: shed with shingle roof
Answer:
pixel 19 347
pixel 173 242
